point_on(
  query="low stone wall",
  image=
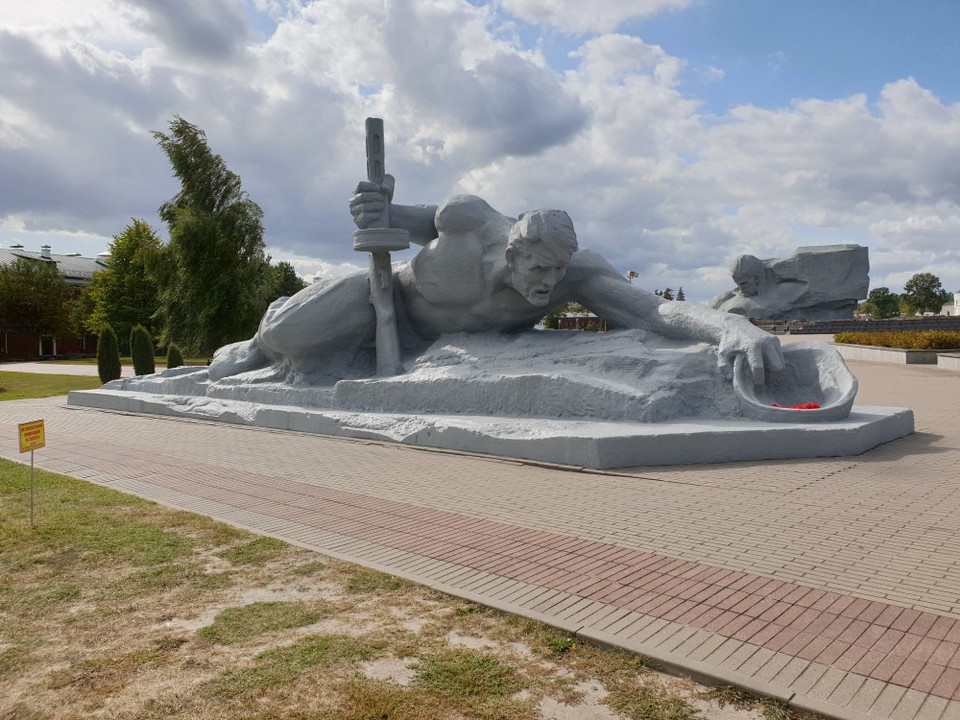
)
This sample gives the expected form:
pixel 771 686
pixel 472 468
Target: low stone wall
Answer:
pixel 949 361
pixel 889 355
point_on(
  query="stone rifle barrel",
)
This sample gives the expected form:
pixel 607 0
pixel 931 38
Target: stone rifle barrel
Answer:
pixel 380 240
pixel 375 157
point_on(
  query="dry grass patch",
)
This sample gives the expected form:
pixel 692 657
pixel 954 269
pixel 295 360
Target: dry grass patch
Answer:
pixel 363 581
pixel 285 664
pixel 259 551
pixel 365 699
pixel 117 608
pixel 239 624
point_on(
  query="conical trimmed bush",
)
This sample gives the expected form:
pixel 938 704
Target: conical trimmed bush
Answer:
pixel 108 355
pixel 141 350
pixel 174 357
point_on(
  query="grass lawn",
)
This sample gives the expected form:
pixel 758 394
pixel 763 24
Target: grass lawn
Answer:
pixel 115 607
pixel 19 386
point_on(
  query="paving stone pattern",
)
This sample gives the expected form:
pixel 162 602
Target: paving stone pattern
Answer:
pixel 830 583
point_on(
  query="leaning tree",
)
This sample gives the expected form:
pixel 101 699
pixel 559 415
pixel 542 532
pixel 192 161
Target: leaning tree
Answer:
pixel 213 274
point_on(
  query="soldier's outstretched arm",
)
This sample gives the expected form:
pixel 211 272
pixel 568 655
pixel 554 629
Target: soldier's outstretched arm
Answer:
pixel 598 286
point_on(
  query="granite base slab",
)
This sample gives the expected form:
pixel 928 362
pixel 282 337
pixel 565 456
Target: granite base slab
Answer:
pixel 581 443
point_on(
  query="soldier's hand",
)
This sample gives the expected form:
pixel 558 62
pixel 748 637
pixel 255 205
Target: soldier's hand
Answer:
pixel 369 200
pixel 386 187
pixel 760 350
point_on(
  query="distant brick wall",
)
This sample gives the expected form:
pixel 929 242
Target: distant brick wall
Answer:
pixel 26 346
pixel 580 322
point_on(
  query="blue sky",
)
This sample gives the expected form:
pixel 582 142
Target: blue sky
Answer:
pixel 678 133
pixel 772 51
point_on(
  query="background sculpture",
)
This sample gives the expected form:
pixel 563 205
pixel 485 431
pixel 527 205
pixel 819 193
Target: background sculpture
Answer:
pixel 815 283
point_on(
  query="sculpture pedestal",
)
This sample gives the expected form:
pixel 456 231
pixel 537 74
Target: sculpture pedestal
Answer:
pixel 581 443
pixel 570 398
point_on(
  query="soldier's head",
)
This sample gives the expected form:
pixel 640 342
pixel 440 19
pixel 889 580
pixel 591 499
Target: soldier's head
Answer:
pixel 748 273
pixel 539 249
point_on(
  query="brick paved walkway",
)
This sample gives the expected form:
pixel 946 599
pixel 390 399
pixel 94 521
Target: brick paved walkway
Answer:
pixel 831 583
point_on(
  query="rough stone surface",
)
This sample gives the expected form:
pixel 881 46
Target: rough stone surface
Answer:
pixel 578 442
pixel 621 376
pixel 815 283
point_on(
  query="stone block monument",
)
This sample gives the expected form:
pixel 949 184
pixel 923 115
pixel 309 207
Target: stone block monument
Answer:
pixel 823 282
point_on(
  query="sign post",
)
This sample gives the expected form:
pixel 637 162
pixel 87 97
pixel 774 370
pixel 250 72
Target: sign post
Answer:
pixel 32 437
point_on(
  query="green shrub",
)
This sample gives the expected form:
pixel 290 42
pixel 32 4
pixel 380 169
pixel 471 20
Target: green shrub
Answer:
pixel 141 351
pixel 108 355
pixel 174 357
pixel 905 339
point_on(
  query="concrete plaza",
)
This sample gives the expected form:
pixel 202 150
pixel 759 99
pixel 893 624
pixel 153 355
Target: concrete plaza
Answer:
pixel 833 584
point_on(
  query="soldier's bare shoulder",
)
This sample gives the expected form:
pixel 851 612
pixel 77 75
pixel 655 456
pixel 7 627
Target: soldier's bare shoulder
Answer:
pixel 466 214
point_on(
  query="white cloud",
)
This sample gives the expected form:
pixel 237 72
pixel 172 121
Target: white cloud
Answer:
pixel 576 16
pixel 214 30
pixel 312 270
pixel 651 181
pixel 933 227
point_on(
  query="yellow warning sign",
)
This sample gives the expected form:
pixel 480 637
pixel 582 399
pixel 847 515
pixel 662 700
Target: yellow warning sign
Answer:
pixel 31 436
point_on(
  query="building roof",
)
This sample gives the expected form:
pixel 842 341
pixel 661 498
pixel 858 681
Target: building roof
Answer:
pixel 76 270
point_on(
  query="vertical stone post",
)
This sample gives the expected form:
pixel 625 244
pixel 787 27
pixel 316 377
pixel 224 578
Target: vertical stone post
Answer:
pixel 380 241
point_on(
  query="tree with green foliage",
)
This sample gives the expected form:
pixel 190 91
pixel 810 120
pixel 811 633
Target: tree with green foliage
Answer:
pixel 142 351
pixel 925 293
pixel 680 296
pixel 79 310
pixel 286 282
pixel 124 294
pixel 907 307
pixel 887 303
pixel 34 298
pixel 213 275
pixel 174 357
pixel 108 355
pixel 552 320
pixel 868 308
pixel 666 294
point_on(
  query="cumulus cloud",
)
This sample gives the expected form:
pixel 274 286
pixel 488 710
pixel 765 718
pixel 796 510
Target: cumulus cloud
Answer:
pixel 575 16
pixel 313 270
pixel 466 97
pixel 209 30
pixel 651 180
pixel 72 151
pixel 286 113
pixel 658 184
